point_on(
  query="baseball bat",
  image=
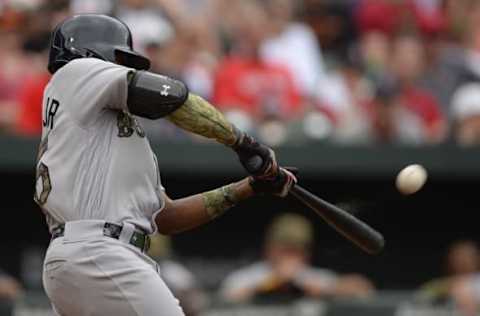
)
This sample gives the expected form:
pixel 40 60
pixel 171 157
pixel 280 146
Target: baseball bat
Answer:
pixel 343 222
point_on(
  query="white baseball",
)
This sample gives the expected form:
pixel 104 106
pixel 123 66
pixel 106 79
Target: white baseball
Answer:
pixel 411 179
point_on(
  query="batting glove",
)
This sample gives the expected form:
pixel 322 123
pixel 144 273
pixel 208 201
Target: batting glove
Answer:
pixel 278 185
pixel 257 159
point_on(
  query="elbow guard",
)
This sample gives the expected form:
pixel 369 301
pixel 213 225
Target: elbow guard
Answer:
pixel 154 96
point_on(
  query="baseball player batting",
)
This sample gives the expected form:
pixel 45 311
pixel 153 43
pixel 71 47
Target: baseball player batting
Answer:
pixel 98 181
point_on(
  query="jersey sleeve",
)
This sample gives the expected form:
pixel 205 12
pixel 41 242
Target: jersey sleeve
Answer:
pixel 93 85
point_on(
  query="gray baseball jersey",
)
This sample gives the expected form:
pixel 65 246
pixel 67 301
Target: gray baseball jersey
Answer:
pixel 95 161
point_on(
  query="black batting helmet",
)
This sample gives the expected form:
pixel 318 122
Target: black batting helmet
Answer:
pixel 93 35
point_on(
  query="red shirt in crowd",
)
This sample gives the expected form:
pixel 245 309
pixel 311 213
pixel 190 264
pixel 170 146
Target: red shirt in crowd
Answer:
pixel 386 16
pixel 423 105
pixel 29 122
pixel 256 87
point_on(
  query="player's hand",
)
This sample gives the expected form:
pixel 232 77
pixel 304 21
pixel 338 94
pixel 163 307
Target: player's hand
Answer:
pixel 257 159
pixel 278 185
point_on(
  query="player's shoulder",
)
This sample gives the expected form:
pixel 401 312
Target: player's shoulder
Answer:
pixel 91 61
pixel 85 65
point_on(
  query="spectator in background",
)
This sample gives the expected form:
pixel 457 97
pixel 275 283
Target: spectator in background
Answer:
pixel 168 56
pixel 302 57
pixel 378 15
pixel 348 99
pixel 145 21
pixel 188 53
pixel 30 94
pixel 461 260
pixel 195 49
pixel 415 114
pixel 374 51
pixel 465 110
pixel 392 16
pixel 250 87
pixel 92 6
pixel 429 15
pixel 24 28
pixel 12 73
pixel 466 294
pixel 464 289
pixel 413 55
pixel 178 278
pixel 456 61
pixel 286 273
pixel 9 288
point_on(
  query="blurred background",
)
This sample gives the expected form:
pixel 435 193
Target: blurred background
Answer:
pixel 349 91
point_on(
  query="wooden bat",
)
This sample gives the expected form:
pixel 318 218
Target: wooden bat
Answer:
pixel 346 224
pixel 343 222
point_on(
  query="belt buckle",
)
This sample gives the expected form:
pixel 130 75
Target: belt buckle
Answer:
pixel 140 240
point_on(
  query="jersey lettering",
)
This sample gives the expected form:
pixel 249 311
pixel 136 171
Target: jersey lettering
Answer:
pixel 50 110
pixel 43 185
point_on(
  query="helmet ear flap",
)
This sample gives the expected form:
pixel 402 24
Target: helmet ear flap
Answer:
pixel 56 59
pixel 61 51
pixel 57 40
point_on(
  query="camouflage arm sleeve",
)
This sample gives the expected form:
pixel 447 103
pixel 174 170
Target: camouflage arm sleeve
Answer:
pixel 218 201
pixel 200 117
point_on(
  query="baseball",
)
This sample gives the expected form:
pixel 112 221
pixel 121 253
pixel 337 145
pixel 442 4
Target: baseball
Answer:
pixel 411 179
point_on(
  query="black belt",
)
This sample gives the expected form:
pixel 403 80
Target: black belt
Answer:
pixel 138 239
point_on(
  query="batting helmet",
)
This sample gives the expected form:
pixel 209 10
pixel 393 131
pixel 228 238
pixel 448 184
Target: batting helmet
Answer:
pixel 94 35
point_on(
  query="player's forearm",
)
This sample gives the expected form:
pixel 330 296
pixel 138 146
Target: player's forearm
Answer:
pixel 193 211
pixel 198 116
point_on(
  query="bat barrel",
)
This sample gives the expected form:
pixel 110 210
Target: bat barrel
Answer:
pixel 346 224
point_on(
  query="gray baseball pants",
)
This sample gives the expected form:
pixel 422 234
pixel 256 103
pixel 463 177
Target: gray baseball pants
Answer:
pixel 88 274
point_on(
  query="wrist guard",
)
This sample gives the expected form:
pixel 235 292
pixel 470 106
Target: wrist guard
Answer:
pixel 219 200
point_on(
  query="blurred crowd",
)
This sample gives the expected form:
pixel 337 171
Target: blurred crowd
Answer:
pixel 349 71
